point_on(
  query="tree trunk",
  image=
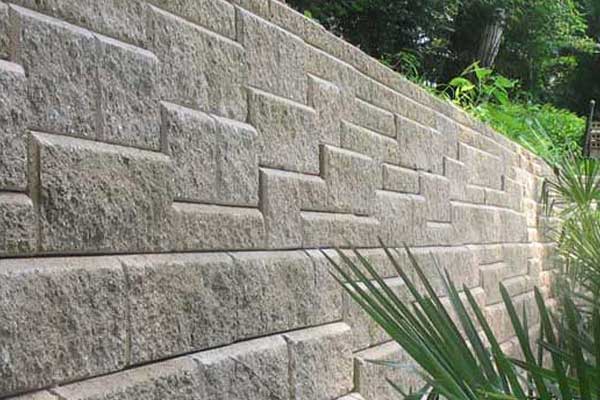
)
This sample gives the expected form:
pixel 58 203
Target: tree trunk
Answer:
pixel 491 39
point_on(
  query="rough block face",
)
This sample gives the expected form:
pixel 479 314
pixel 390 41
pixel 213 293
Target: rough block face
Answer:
pixel 172 174
pixel 63 320
pixel 320 362
pixel 96 197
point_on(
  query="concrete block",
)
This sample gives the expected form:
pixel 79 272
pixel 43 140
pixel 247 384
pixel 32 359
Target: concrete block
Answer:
pixel 97 197
pixel 323 229
pixel 278 293
pixel 60 60
pixel 371 380
pixel 402 218
pixel 4 32
pixel 374 118
pixel 288 135
pixel 63 319
pixel 320 362
pixel 177 379
pixel 402 180
pixel 499 321
pixel 18 225
pixel 422 147
pixel 258 7
pixel 127 80
pixel 330 104
pixel 210 227
pixel 180 303
pixel 275 58
pixel 256 369
pixel 287 18
pixel 123 20
pixel 361 140
pixel 216 15
pixel 14 117
pixel 436 190
pixel 199 69
pixel 351 180
pixel 483 169
pixel 215 159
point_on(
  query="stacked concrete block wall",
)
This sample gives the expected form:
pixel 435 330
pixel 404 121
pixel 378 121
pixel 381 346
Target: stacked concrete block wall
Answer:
pixel 169 171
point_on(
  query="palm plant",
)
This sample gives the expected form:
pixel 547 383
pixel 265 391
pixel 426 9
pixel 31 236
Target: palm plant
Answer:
pixel 457 364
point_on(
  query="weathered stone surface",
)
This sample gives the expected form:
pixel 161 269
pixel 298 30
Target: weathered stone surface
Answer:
pixel 177 379
pixel 4 31
pixel 199 68
pixel 421 147
pixel 275 58
pixel 288 137
pixel 63 319
pixel 124 20
pixel 320 362
pixel 378 147
pixel 18 230
pixel 436 190
pixel 398 179
pixel 127 81
pixel 215 159
pixel 216 15
pixel 321 229
pixel 98 197
pixel 180 303
pixel 37 396
pixel 483 168
pixel 330 104
pixel 256 369
pixel 402 218
pixel 210 227
pixel 374 118
pixel 278 293
pixel 61 76
pixel 259 7
pixel 13 120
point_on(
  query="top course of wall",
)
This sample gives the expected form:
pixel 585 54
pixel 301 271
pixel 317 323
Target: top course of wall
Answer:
pixel 168 170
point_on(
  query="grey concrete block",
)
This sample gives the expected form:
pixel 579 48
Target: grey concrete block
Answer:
pixel 198 68
pixel 180 303
pixel 14 116
pixel 483 169
pixel 374 118
pixel 402 180
pixel 128 99
pixel 60 61
pixel 320 362
pixel 223 150
pixel 331 104
pixel 275 58
pixel 323 229
pixel 288 134
pixel 64 319
pixel 422 147
pixel 101 198
pixel 4 32
pixel 18 222
pixel 436 190
pixel 361 140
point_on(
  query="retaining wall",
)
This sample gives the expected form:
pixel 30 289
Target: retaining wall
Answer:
pixel 168 172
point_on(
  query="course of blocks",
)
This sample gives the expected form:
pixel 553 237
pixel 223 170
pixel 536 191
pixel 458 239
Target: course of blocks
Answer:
pixel 169 171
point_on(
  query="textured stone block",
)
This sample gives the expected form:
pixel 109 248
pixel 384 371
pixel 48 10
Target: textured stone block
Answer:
pixel 37 396
pixel 60 61
pixel 215 159
pixel 63 319
pixel 320 362
pixel 259 7
pixel 288 136
pixel 101 198
pixel 484 169
pixel 177 379
pixel 4 31
pixel 374 118
pixel 13 121
pixel 127 81
pixel 210 227
pixel 330 104
pixel 351 180
pixel 398 179
pixel 371 380
pixel 361 140
pixel 460 262
pixel 124 20
pixel 402 218
pixel 436 190
pixel 257 369
pixel 499 321
pixel 18 225
pixel 180 303
pixel 278 293
pixel 275 58
pixel 199 68
pixel 321 229
pixel 421 147
pixel 216 15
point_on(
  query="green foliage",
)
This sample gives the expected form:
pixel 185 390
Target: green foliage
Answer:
pixel 454 361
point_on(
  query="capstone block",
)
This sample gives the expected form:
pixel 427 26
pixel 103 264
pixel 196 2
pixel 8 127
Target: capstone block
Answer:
pixel 13 121
pixel 60 60
pixel 288 135
pixel 199 68
pixel 63 320
pixel 320 362
pixel 97 197
pixel 18 225
pixel 127 81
